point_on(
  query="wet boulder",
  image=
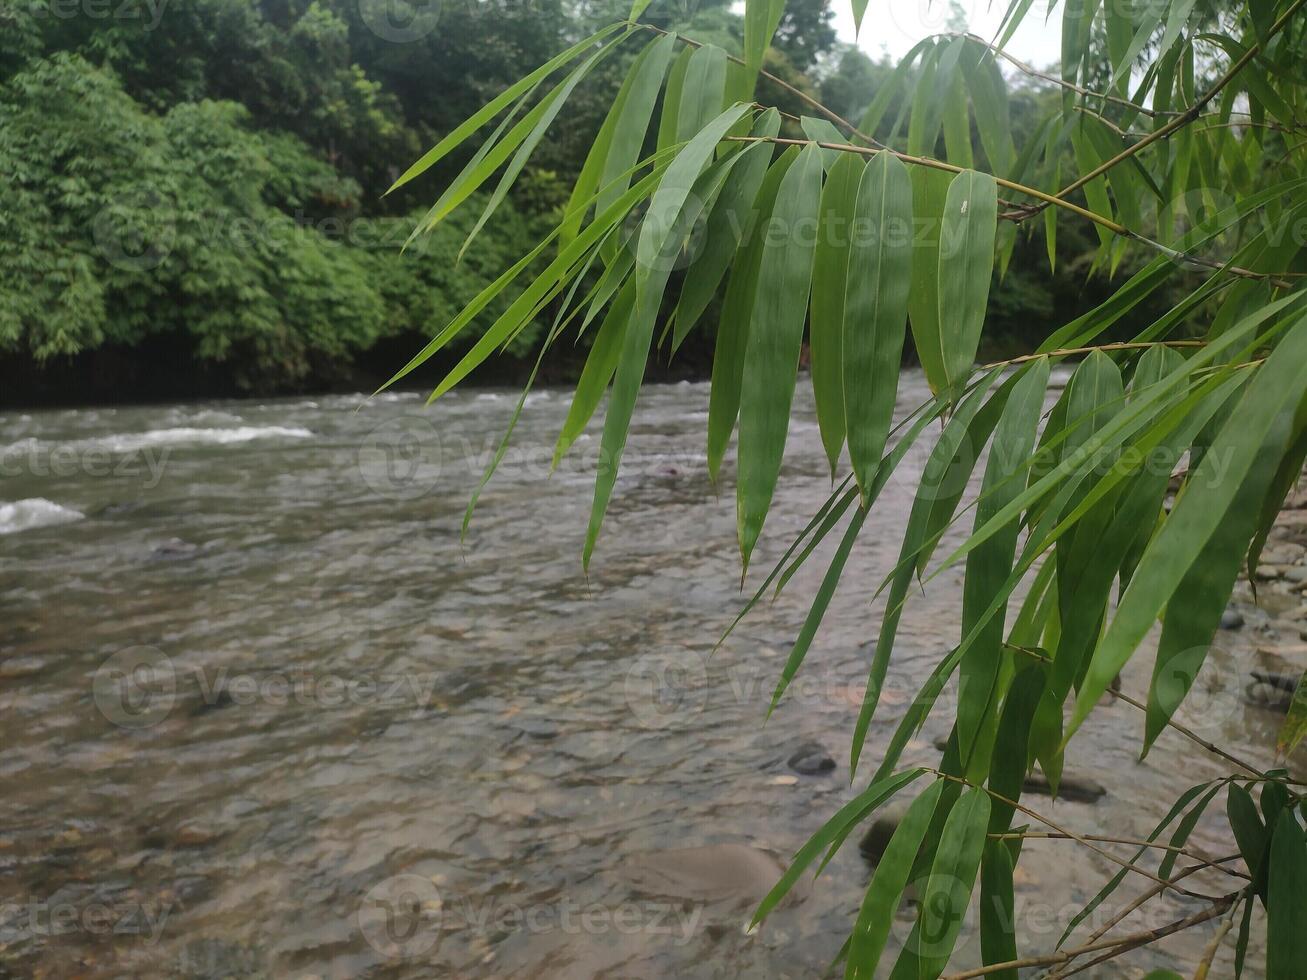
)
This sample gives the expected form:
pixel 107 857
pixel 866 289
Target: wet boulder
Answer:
pixel 810 759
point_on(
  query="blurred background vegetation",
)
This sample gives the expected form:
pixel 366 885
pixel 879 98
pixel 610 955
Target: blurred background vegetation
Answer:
pixel 193 195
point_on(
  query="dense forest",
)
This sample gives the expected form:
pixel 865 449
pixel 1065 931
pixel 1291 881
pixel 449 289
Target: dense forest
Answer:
pixel 195 193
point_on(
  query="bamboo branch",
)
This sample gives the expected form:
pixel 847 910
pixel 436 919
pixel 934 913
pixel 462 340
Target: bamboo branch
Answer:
pixel 1021 215
pixel 1192 113
pixel 1078 838
pixel 1026 69
pixel 799 94
pixel 1203 863
pixel 1116 947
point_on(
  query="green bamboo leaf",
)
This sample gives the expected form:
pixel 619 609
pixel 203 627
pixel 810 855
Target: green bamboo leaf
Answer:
pixel 1183 830
pixel 955 451
pixel 829 277
pixel 966 265
pixel 1280 384
pixel 598 370
pixel 857 809
pixel 822 131
pixel 989 98
pixel 859 9
pixel 737 313
pixel 1012 746
pixel 498 104
pixel 990 566
pixel 1295 725
pixel 948 888
pixel 638 8
pixel 1250 834
pixel 881 902
pixel 633 122
pixel 550 108
pixel 1193 614
pixel 825 592
pixel 727 226
pixel 669 121
pixel 761 18
pixel 662 231
pixel 772 355
pixel 876 309
pixel 585 190
pixel 704 88
pixel 1286 906
pixel 998 938
pixel 835 572
pixel 929 192
pixel 547 284
pixel 1286 478
pixel 891 87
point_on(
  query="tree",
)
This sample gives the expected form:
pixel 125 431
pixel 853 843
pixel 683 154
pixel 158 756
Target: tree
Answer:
pixel 1175 137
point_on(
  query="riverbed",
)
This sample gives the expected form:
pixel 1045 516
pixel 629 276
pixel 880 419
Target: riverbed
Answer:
pixel 264 711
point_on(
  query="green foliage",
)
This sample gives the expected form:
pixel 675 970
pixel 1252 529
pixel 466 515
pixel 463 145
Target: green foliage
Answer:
pixel 123 225
pixel 1181 206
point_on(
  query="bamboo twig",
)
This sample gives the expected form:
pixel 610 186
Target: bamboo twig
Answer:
pixel 1116 947
pixel 799 94
pixel 1133 842
pixel 1020 215
pixel 1078 838
pixel 1192 113
pixel 1138 902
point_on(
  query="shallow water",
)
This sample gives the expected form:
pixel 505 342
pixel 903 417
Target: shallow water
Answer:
pixel 255 693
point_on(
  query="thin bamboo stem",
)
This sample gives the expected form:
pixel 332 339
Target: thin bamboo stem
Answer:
pixel 1192 113
pixel 1117 946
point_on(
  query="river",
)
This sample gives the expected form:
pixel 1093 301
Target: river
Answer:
pixel 256 696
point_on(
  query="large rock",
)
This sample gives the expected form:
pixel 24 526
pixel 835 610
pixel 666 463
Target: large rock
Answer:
pixel 810 759
pixel 733 874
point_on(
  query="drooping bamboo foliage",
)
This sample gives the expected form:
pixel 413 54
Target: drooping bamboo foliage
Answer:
pixel 1185 125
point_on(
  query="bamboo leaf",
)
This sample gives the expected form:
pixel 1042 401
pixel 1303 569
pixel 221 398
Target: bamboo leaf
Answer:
pixel 876 309
pixel 1193 614
pixel 1295 724
pixel 669 121
pixel 632 123
pixel 598 370
pixel 829 280
pixel 881 902
pixel 661 231
pixel 990 566
pixel 772 355
pixel 704 88
pixel 966 265
pixel 498 104
pixel 948 888
pixel 929 192
pixel 728 223
pixel 998 938
pixel 1286 906
pixel 737 312
pixel 955 451
pixel 857 809
pixel 1280 384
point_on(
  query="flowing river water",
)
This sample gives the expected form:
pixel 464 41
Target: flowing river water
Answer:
pixel 263 714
